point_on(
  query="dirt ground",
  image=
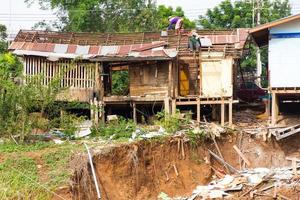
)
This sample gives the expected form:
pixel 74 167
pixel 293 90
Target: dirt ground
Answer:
pixel 143 170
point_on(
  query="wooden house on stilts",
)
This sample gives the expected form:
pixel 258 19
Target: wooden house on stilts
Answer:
pixel 161 70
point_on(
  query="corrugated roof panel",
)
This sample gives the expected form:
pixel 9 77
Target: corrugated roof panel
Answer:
pixel 27 46
pixel 72 48
pixel 82 50
pixel 124 50
pixel 60 48
pixel 49 47
pixel 94 50
pixel 109 50
pixel 16 45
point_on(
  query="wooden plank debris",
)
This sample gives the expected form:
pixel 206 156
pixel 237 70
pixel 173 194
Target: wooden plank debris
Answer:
pixel 294 164
pixel 239 152
pixel 286 132
pixel 223 161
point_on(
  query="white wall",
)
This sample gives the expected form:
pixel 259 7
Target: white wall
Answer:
pixel 284 57
pixel 217 78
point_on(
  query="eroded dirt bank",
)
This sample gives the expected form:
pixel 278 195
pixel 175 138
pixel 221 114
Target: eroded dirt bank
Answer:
pixel 143 170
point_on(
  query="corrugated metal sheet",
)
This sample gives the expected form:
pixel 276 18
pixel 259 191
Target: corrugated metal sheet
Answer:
pixel 155 49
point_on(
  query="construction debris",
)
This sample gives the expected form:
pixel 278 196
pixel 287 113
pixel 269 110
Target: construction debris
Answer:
pixel 260 180
pixel 282 133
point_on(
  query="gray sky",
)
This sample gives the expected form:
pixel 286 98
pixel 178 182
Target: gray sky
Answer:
pixel 16 15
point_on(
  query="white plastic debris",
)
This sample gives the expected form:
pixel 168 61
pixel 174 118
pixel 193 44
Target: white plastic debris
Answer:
pixel 58 141
pixel 163 196
pixel 84 129
pixel 112 118
pixel 226 181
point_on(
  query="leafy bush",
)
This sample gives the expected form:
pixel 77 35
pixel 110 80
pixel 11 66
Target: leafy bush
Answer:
pixel 120 83
pixel 117 129
pixel 171 123
pixel 68 123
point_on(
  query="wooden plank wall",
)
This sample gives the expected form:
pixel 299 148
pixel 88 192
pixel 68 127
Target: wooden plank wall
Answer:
pixel 78 77
pixel 75 75
pixel 148 79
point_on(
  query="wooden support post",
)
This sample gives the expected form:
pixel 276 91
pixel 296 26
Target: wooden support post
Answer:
pixel 170 82
pixel 96 112
pixel 222 113
pixel 101 110
pixel 274 108
pixel 230 112
pixel 101 81
pixel 200 72
pixel 173 106
pixel 176 77
pixel 167 105
pixel 198 110
pixel 92 110
pixel 134 112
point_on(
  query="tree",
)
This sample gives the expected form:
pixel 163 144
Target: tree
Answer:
pixel 239 14
pixel 3 36
pixel 165 12
pixel 110 16
pixel 103 15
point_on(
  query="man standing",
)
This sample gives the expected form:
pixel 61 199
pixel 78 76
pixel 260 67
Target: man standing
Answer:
pixel 175 23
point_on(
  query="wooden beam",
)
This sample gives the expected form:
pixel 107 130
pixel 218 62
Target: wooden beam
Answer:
pixel 198 111
pixel 230 112
pixel 134 112
pixel 173 106
pixel 239 152
pixel 203 102
pixel 200 74
pixel 167 105
pixel 222 114
pixel 274 108
pixel 170 82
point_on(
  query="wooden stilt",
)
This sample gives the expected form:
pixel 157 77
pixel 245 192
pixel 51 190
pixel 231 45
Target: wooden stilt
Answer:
pixel 198 110
pixel 101 110
pixel 222 114
pixel 170 82
pixel 134 112
pixel 167 105
pixel 230 112
pixel 92 110
pixel 274 108
pixel 96 111
pixel 173 106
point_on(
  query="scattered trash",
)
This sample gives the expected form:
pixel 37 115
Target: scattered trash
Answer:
pixel 163 196
pixel 258 179
pixel 112 118
pixel 84 129
pixel 138 133
pixel 57 141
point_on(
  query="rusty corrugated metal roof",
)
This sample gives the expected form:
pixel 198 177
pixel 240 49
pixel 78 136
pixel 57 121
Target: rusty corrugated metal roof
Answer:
pixel 148 50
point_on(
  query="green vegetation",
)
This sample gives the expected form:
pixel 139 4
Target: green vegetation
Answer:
pixel 26 170
pixel 120 83
pixel 55 161
pixel 115 129
pixel 172 123
pixel 110 16
pixel 10 148
pixel 3 36
pixel 238 14
pixel 165 12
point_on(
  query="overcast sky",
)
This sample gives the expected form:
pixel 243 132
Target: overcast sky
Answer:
pixel 16 15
